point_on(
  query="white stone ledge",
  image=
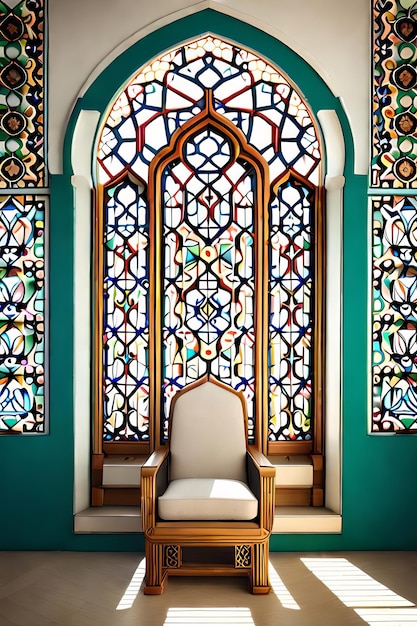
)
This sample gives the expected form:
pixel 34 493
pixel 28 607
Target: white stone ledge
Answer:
pixel 108 519
pixel 314 519
pixel 123 470
pixel 292 471
pixel 127 519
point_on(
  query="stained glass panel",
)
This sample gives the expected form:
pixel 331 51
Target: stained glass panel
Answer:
pixel 290 313
pixel 22 154
pixel 171 90
pixel 125 314
pixel 208 240
pixel 22 314
pixel 209 282
pixel 394 314
pixel 394 95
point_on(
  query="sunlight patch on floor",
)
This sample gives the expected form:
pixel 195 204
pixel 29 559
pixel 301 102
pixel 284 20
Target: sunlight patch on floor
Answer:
pixel 221 616
pixel 375 603
pixel 389 617
pixel 351 585
pixel 133 587
pixel 281 590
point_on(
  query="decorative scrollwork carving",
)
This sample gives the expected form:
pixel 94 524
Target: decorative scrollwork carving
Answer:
pixel 243 556
pixel 172 556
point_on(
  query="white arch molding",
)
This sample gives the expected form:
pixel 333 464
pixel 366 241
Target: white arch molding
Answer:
pixel 82 150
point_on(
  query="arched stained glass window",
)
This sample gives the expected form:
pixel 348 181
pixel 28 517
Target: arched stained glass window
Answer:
pixel 209 246
pixel 248 91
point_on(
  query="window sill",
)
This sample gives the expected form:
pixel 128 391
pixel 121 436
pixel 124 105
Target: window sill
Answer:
pixel 127 519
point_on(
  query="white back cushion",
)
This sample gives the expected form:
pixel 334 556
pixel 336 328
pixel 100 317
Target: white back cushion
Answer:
pixel 208 435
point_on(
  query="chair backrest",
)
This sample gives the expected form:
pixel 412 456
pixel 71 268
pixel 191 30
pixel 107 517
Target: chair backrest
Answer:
pixel 208 433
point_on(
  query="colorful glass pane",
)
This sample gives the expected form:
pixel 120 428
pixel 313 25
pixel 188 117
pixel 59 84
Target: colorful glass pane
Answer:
pixel 209 213
pixel 290 313
pixel 172 89
pixel 209 283
pixel 125 314
pixel 394 95
pixel 22 314
pixel 22 156
pixel 394 314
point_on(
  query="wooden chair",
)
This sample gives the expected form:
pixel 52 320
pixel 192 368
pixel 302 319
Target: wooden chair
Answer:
pixel 207 497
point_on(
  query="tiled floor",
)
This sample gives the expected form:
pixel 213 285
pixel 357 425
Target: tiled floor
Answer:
pixel 104 589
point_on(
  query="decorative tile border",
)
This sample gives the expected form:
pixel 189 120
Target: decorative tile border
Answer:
pixel 394 141
pixel 22 152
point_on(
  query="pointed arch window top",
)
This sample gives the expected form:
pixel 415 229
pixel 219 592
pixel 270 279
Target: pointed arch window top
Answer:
pixel 248 91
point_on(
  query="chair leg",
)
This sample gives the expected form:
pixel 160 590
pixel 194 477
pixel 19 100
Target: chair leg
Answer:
pixel 155 576
pixel 259 578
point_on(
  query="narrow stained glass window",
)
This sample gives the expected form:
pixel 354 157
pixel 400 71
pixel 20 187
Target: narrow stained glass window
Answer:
pixel 394 271
pixel 22 314
pixel 125 314
pixel 22 218
pixel 394 314
pixel 291 306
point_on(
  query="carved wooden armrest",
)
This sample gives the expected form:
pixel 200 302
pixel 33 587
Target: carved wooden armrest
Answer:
pixel 260 459
pixel 154 480
pixel 261 477
pixel 154 462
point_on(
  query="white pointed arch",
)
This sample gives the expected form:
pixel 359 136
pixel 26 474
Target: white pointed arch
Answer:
pixel 83 144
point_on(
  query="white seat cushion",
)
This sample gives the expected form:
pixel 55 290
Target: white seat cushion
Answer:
pixel 207 499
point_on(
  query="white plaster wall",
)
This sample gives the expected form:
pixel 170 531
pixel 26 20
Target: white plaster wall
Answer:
pixel 332 35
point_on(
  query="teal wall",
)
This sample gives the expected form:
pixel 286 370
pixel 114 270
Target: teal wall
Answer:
pixel 379 472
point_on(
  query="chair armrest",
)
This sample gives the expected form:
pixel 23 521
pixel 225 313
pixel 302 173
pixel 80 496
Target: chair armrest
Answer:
pixel 154 461
pixel 154 481
pixel 261 478
pixel 260 459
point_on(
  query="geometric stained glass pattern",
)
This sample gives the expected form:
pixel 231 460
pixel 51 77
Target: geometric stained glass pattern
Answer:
pixel 209 283
pixel 22 152
pixel 209 239
pixel 22 314
pixel 250 93
pixel 126 313
pixel 394 152
pixel 290 313
pixel 394 314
